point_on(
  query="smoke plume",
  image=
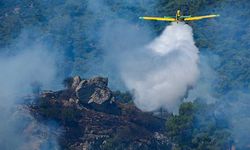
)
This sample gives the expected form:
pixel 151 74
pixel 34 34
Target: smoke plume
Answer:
pixel 159 70
pixel 164 70
pixel 26 67
pixel 225 67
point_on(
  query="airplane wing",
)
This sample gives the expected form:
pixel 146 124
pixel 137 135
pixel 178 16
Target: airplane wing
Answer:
pixel 200 17
pixel 158 18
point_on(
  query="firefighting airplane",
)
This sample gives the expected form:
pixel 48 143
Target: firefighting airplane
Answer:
pixel 178 17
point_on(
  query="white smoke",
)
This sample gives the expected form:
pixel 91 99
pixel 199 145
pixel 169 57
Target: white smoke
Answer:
pixel 26 65
pixel 18 72
pixel 161 73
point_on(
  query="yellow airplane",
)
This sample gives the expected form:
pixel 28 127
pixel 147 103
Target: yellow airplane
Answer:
pixel 178 17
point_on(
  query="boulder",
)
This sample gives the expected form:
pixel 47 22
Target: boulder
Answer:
pixel 76 81
pixel 99 82
pixel 100 96
pixel 94 90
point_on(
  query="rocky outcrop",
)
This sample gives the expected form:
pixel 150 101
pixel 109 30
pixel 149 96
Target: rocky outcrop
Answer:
pixel 92 91
pixel 92 118
pixel 76 81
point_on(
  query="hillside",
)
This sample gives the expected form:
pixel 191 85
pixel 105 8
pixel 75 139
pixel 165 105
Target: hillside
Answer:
pixel 43 42
pixel 92 118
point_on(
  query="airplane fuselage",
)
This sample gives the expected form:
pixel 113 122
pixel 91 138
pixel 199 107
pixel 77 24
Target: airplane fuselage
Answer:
pixel 179 17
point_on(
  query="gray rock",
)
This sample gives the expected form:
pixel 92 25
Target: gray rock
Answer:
pixel 84 91
pixel 94 90
pixel 76 82
pixel 99 82
pixel 100 95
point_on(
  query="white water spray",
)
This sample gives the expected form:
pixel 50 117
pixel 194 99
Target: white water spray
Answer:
pixel 161 77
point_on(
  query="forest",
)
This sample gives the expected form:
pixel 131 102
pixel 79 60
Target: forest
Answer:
pixel 69 28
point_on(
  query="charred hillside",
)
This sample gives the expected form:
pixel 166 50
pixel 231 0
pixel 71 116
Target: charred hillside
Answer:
pixel 91 117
